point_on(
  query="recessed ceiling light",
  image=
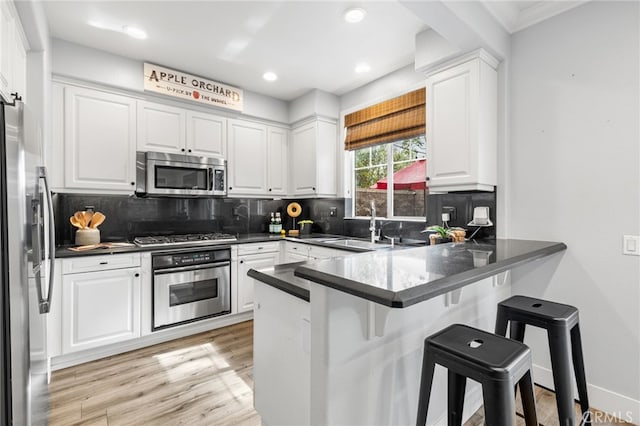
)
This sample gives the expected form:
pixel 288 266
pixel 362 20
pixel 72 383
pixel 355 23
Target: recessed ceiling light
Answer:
pixel 362 68
pixel 134 32
pixel 270 76
pixel 355 14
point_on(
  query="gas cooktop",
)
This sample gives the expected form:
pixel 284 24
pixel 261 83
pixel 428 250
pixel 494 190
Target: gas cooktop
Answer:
pixel 184 240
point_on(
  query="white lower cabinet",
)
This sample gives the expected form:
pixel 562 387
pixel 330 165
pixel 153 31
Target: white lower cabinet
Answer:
pixel 281 357
pixel 100 308
pixel 252 256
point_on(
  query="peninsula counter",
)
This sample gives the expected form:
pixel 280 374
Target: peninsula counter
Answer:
pixel 340 341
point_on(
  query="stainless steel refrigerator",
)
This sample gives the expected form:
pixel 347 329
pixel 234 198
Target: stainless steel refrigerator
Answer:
pixel 26 268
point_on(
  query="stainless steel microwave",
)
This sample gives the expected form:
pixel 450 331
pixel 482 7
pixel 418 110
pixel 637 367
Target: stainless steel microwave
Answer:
pixel 178 175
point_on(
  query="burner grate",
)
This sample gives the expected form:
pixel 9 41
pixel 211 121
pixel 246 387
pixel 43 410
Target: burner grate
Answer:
pixel 186 239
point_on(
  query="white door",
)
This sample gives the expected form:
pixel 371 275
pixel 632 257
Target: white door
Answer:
pixel 100 308
pixel 303 160
pixel 206 134
pixel 247 164
pixel 161 128
pixel 99 140
pixel 246 283
pixel 277 161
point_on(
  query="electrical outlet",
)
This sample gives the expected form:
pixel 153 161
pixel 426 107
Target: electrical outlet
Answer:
pixel 451 211
pixel 631 245
pixel 333 211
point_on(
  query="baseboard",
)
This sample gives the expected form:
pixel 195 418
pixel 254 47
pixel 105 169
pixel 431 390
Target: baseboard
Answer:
pixel 607 401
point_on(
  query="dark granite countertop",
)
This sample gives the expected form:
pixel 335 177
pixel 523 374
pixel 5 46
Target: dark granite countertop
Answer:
pixel 401 278
pixel 64 251
pixel 282 277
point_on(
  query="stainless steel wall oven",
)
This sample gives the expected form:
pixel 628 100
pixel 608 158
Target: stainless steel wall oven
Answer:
pixel 190 285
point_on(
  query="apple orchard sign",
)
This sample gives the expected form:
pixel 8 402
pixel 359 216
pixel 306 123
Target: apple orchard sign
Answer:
pixel 190 87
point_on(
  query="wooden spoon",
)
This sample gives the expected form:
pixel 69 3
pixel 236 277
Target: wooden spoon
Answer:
pixel 80 218
pixel 75 222
pixel 97 220
pixel 87 217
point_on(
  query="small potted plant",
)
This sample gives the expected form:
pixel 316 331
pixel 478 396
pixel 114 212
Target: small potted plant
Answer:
pixel 305 226
pixel 441 234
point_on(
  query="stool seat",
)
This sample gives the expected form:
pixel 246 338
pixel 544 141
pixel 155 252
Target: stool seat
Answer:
pixel 496 362
pixel 565 346
pixel 494 356
pixel 540 313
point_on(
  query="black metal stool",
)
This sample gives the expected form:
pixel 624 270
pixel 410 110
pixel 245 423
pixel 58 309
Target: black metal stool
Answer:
pixel 563 330
pixel 494 361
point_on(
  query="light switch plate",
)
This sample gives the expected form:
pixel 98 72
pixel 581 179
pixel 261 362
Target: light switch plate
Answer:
pixel 631 245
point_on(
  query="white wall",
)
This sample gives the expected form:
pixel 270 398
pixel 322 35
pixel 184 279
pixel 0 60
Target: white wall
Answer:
pixel 574 176
pixel 73 60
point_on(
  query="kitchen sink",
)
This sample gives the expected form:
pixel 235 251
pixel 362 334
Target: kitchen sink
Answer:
pixel 350 242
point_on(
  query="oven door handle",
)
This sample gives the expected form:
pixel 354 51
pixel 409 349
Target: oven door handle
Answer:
pixel 191 268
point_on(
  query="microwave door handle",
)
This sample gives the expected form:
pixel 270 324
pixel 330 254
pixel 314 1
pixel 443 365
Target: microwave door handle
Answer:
pixel 45 304
pixel 210 178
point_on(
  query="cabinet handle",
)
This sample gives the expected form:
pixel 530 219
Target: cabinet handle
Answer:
pixel 230 188
pixel 136 274
pixel 269 189
pixel 104 263
pixel 428 178
pixel 242 261
pixel 182 150
pixel 313 188
pixel 189 150
pixel 133 184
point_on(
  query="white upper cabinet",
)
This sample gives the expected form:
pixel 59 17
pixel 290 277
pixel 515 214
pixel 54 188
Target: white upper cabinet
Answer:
pixel 161 128
pixel 277 148
pixel 462 124
pixel 98 140
pixel 206 134
pixel 247 150
pixel 12 52
pixel 257 159
pixel 313 159
pixel 164 128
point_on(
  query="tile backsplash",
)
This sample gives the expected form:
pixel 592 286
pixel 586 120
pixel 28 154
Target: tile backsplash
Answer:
pixel 130 216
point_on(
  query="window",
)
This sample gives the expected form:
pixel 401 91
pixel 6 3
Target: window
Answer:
pixel 389 156
pixel 393 176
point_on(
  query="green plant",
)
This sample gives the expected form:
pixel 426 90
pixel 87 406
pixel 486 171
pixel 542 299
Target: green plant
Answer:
pixel 441 231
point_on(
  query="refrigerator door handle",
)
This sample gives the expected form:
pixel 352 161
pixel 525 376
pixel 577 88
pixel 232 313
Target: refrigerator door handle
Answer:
pixel 45 303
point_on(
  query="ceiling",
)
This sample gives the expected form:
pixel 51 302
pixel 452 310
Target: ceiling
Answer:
pixel 306 43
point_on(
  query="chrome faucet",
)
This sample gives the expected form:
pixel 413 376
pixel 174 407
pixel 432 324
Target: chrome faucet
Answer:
pixel 372 225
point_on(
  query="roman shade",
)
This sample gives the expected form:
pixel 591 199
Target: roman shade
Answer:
pixel 394 119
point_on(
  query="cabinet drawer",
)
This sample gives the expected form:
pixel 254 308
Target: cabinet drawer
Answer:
pixel 100 263
pixel 256 248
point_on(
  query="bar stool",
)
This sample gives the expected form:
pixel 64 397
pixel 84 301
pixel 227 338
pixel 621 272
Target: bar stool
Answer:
pixel 496 362
pixel 563 330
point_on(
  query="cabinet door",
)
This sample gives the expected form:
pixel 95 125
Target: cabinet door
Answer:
pixel 247 167
pixel 161 128
pixel 7 35
pixel 99 140
pixel 277 161
pixel 449 115
pixel 100 308
pixel 206 134
pixel 246 283
pixel 303 160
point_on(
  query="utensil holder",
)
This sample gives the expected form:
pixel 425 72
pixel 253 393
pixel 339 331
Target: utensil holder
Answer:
pixel 85 237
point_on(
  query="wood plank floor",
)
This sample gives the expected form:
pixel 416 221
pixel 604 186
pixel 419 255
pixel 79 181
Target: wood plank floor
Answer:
pixel 204 379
